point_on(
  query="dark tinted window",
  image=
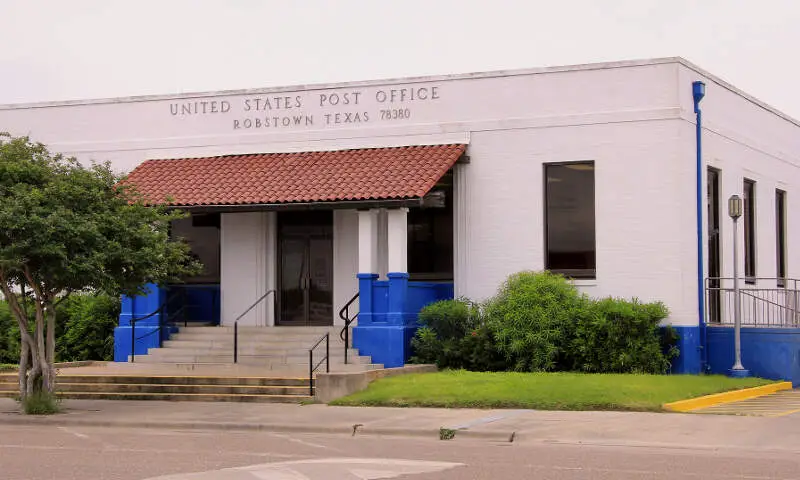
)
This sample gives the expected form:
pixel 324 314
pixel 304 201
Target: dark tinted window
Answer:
pixel 780 234
pixel 749 215
pixel 570 219
pixel 430 235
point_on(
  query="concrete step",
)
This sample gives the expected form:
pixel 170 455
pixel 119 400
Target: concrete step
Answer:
pixel 168 356
pixel 149 388
pixel 252 351
pixel 176 380
pixel 227 344
pixel 304 340
pixel 227 330
pixel 179 397
pixel 282 369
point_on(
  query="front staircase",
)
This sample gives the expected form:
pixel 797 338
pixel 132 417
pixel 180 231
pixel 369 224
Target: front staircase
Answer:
pixel 272 349
pixel 196 364
pixel 115 386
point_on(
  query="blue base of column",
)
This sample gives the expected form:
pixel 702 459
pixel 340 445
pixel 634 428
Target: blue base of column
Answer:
pixel 738 373
pixel 388 344
pixel 689 360
pixel 146 338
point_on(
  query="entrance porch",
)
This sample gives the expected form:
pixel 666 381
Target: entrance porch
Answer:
pixel 382 245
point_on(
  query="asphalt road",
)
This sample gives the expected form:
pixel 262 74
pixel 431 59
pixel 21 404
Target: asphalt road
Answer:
pixel 76 453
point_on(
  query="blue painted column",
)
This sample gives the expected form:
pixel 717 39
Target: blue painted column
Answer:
pixel 146 331
pixel 384 328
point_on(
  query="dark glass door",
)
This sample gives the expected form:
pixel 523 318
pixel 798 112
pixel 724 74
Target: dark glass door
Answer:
pixel 306 268
pixel 713 284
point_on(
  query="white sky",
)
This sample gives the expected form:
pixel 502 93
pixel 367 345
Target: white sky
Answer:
pixel 70 49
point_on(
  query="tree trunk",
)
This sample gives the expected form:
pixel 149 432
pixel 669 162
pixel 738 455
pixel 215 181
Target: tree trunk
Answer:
pixel 40 353
pixel 50 345
pixel 27 344
pixel 24 358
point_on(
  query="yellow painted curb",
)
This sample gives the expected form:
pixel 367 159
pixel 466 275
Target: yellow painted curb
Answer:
pixel 726 397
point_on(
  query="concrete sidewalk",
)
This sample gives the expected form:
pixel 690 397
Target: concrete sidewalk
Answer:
pixel 606 428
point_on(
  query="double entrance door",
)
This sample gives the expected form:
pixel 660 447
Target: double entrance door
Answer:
pixel 305 250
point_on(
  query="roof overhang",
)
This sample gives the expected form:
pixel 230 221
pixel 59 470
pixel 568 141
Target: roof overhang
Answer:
pixel 391 177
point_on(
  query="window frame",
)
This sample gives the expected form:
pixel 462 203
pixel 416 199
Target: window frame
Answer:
pixel 749 221
pixel 780 237
pixel 575 274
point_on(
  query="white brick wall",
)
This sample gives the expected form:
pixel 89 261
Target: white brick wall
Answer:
pixel 633 119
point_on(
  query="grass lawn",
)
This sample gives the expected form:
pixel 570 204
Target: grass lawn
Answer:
pixel 7 366
pixel 542 391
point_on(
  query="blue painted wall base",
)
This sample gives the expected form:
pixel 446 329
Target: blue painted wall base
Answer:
pixel 689 360
pixel 772 353
pixel 389 313
pixel 146 330
pixel 389 345
pixel 146 337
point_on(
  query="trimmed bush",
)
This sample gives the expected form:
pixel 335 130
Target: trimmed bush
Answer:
pixel 531 319
pixel 539 321
pixel 620 336
pixel 453 335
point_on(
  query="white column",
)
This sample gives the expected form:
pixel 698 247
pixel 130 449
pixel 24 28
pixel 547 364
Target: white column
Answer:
pixel 271 256
pixel 397 233
pixel 368 241
pixel 244 266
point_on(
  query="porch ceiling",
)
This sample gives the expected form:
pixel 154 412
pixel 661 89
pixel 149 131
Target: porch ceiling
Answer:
pixel 339 177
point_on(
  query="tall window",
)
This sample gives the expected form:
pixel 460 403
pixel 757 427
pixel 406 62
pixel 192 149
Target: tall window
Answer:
pixel 780 235
pixel 430 235
pixel 749 230
pixel 570 219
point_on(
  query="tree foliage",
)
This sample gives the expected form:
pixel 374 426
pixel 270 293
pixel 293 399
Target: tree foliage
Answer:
pixel 66 227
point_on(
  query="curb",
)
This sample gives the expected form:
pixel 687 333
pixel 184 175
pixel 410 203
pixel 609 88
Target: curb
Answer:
pixel 726 397
pixel 352 430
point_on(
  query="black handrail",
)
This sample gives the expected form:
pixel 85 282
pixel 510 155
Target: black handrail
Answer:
pixel 236 324
pixel 313 368
pixel 161 323
pixel 133 327
pixel 344 314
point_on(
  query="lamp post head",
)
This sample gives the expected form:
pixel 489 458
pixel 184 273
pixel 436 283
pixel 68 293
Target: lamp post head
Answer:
pixel 735 207
pixel 698 91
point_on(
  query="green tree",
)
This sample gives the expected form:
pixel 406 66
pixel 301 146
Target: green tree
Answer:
pixel 64 228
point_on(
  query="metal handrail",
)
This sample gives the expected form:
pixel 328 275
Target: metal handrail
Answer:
pixel 313 368
pixel 344 334
pixel 771 306
pixel 133 327
pixel 162 323
pixel 236 324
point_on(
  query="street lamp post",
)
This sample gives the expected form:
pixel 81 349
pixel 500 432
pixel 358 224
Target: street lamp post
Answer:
pixel 738 370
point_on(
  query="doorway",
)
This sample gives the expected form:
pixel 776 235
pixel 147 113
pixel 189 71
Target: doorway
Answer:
pixel 713 246
pixel 305 250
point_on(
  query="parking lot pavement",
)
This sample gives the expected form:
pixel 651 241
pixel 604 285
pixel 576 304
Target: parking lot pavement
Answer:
pixel 778 404
pixel 46 452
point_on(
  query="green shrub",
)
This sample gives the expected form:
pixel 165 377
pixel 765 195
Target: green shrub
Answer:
pixel 41 403
pixel 9 336
pixel 86 327
pixel 619 336
pixel 452 335
pixel 531 318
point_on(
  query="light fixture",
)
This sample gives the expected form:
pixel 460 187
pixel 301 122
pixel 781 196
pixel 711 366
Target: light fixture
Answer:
pixel 735 207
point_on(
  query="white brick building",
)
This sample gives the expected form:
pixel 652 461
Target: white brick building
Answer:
pixel 617 141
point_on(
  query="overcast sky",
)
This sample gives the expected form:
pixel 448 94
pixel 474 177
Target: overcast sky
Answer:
pixel 63 50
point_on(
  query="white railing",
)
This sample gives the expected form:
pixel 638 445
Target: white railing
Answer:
pixel 765 302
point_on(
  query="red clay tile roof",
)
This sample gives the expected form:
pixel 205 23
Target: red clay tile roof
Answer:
pixel 362 174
